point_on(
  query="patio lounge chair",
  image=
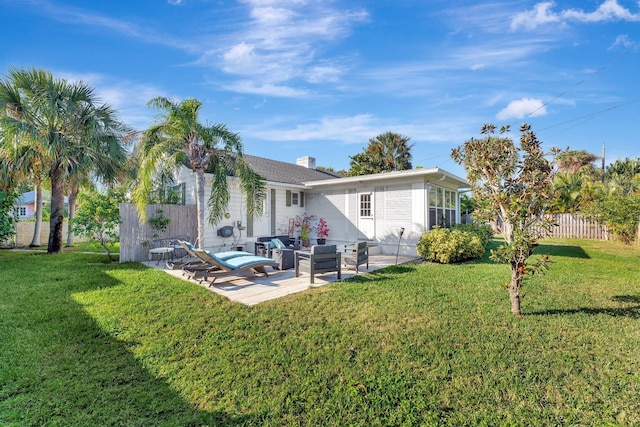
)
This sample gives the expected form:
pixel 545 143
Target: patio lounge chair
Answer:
pixel 357 254
pixel 321 259
pixel 218 267
pixel 192 260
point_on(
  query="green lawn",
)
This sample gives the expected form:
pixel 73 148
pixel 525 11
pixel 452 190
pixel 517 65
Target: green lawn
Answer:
pixel 83 342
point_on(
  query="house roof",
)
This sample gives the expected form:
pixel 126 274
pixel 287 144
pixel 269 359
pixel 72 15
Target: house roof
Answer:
pixel 430 175
pixel 276 171
pixel 289 173
pixel 30 197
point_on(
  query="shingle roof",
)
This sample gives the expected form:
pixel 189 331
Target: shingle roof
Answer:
pixel 276 171
pixel 30 197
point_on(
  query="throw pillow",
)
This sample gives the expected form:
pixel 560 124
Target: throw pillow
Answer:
pixel 278 243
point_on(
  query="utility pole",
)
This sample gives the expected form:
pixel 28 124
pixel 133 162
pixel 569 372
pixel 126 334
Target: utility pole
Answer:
pixel 603 162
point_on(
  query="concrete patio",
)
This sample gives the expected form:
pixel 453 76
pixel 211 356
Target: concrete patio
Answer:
pixel 253 289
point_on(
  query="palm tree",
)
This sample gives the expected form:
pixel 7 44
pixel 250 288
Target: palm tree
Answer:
pixel 385 153
pixel 573 160
pixel 26 160
pixel 623 176
pixel 392 151
pixel 180 139
pixel 65 122
pixel 102 157
pixel 568 192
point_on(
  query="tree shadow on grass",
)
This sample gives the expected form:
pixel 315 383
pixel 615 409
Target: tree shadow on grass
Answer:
pixel 382 273
pixel 66 369
pixel 568 251
pixel 632 310
pixel 561 251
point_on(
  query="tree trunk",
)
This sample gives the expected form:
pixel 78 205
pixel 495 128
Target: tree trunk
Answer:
pixel 38 224
pixel 200 183
pixel 57 211
pixel 73 194
pixel 514 288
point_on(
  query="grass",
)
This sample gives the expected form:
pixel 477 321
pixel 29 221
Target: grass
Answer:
pixel 93 246
pixel 84 342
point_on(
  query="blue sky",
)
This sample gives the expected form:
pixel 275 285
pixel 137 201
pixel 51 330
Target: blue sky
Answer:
pixel 320 78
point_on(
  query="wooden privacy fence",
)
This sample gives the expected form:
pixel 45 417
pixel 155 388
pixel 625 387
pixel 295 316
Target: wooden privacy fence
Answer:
pixel 575 226
pixel 136 237
pixel 25 230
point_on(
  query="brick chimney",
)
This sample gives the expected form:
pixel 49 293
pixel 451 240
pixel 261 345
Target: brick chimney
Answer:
pixel 307 162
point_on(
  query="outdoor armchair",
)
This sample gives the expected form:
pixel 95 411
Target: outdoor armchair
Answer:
pixel 321 259
pixel 356 254
pixel 279 248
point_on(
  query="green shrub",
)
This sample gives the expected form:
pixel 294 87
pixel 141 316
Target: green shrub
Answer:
pixel 447 246
pixel 483 231
pixel 7 200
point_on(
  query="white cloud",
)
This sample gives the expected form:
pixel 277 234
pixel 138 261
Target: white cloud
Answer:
pixel 623 40
pixel 128 98
pixel 324 73
pixel 95 20
pixel 542 14
pixel 539 15
pixel 282 43
pixel 521 108
pixel 358 129
pixel 265 89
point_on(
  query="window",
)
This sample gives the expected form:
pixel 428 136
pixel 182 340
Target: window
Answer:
pixel 442 207
pixel 365 205
pixel 294 198
pixel 22 211
pixel 177 193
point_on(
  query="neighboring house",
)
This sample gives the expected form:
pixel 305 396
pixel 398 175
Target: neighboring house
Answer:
pixel 370 207
pixel 25 205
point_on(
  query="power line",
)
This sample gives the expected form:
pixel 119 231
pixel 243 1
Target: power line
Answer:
pixel 590 116
pixel 598 71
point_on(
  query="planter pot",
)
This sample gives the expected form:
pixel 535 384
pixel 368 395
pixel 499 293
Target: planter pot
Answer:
pixel 305 243
pixel 322 241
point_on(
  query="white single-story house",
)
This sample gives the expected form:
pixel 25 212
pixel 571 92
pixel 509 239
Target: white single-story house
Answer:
pixel 374 207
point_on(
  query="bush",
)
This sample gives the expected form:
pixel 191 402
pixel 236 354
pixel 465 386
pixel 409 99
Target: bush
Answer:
pixel 447 246
pixel 620 213
pixel 483 231
pixel 7 200
pixel 98 217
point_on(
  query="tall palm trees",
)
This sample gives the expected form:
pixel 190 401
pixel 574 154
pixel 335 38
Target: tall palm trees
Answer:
pixel 180 139
pixel 65 125
pixel 385 153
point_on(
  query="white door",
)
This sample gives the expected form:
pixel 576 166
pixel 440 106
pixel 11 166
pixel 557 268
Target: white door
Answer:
pixel 366 212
